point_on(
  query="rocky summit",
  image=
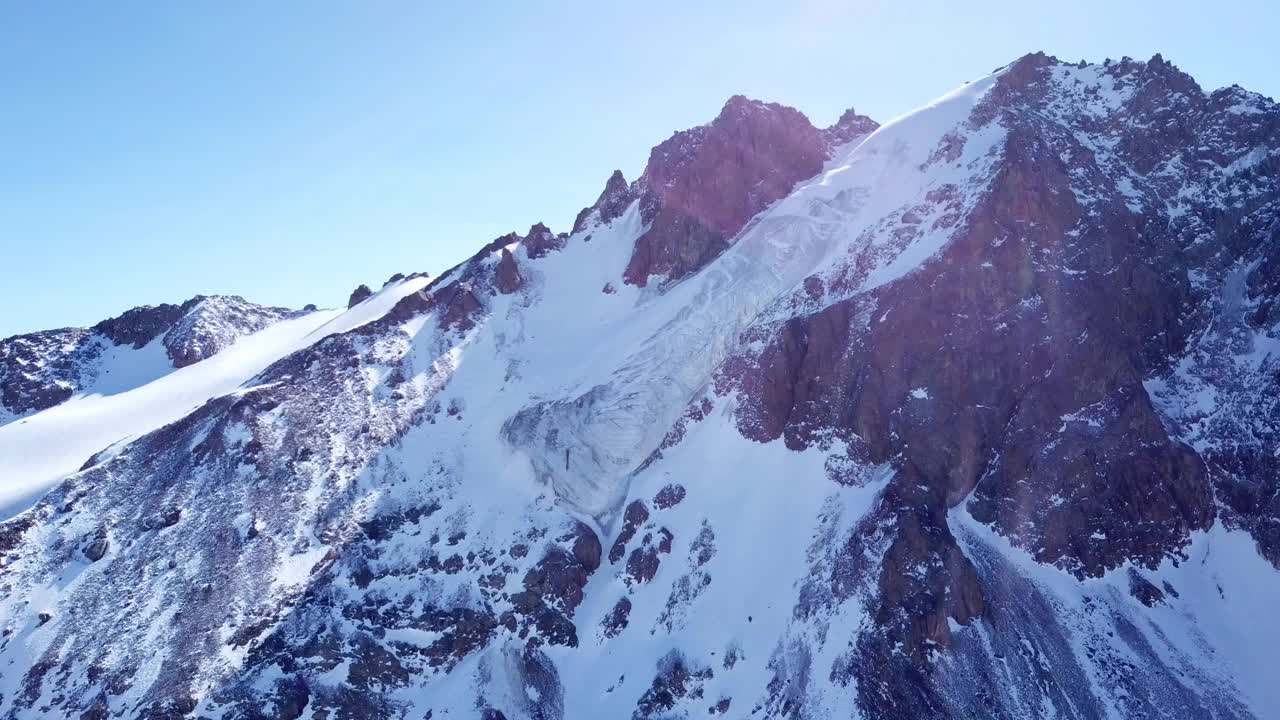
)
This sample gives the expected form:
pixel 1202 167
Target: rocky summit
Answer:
pixel 973 414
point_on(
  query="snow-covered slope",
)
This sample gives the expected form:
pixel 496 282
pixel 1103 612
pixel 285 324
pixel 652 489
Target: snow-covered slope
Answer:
pixel 929 420
pixel 38 451
pixel 40 370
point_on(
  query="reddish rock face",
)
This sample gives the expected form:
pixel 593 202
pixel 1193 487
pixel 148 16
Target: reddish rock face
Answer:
pixel 635 516
pixel 925 580
pixel 553 588
pixel 22 390
pixel 540 241
pixel 457 294
pixel 850 125
pixel 644 560
pixel 211 324
pixel 1008 371
pixel 616 621
pixel 410 306
pixel 669 496
pixel 701 186
pixel 141 325
pixel 459 305
pixel 613 201
pixel 507 276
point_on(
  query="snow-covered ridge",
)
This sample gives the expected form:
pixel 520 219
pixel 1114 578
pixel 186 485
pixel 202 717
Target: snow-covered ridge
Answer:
pixel 40 370
pixel 213 324
pixel 38 451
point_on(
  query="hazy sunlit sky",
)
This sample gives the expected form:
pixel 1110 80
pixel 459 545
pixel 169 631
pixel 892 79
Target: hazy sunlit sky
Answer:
pixel 288 151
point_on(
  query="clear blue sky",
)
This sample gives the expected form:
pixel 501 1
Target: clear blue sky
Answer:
pixel 288 151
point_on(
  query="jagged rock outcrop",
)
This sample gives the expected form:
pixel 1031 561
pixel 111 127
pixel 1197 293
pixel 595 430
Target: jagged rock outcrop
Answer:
pixel 359 295
pixel 540 241
pixel 138 326
pixel 507 275
pixel 38 372
pixel 212 324
pixel 849 127
pixel 613 201
pixel 701 186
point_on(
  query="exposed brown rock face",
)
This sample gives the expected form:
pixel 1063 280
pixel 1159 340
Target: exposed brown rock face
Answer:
pixel 540 241
pixel 1143 589
pixel 97 546
pixel 676 680
pixel 459 305
pixel 635 516
pixel 613 201
pixel 211 324
pixel 359 295
pixel 669 496
pixel 1009 369
pixel 458 294
pixel 23 390
pixel 141 325
pixel 410 306
pixel 616 621
pixel 507 276
pixel 701 186
pixel 553 588
pixel 851 125
pixel 643 562
pixel 925 580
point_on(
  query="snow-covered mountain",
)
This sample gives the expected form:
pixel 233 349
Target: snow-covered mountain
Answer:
pixel 973 414
pixel 43 369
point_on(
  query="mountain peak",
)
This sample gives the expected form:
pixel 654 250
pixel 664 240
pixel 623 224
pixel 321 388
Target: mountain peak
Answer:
pixel 850 125
pixel 611 203
pixel 701 186
pixel 540 241
pixel 740 108
pixel 738 105
pixel 213 323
